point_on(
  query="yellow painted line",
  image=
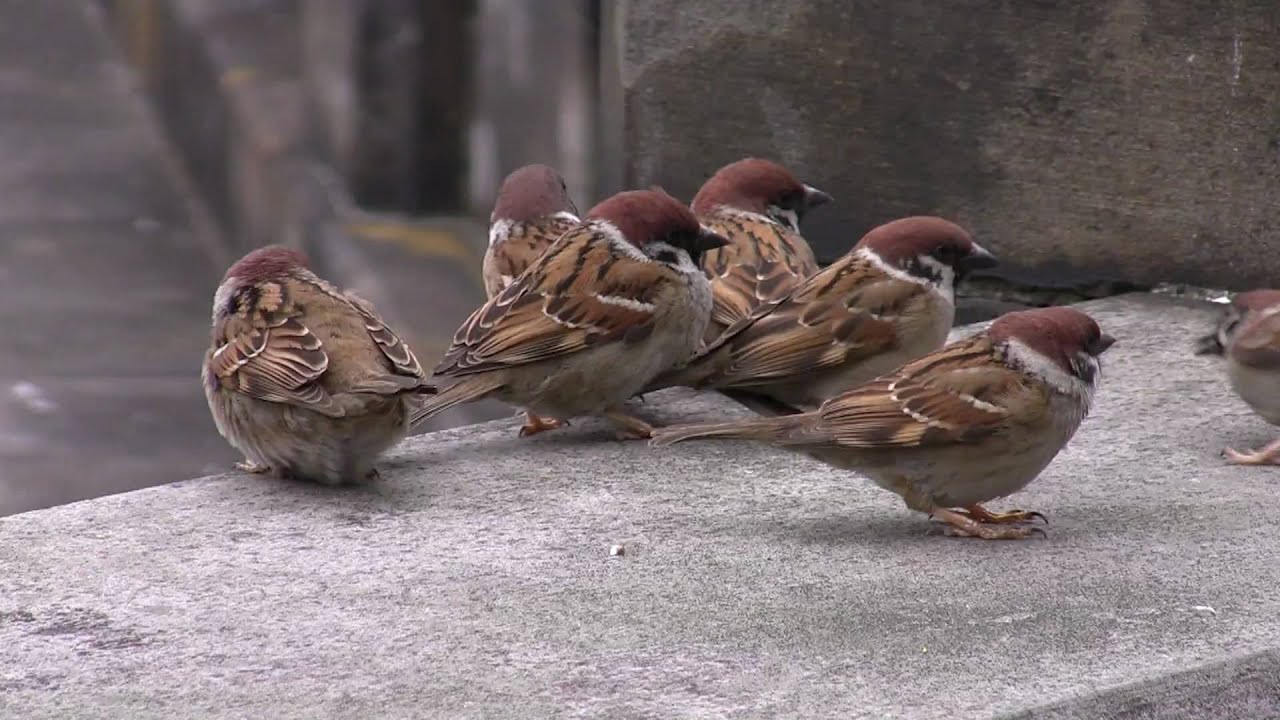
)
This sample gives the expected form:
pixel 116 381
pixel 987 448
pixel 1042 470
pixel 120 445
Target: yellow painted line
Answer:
pixel 237 76
pixel 422 241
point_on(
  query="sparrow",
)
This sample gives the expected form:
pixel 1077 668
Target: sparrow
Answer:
pixel 303 378
pixel 758 206
pixel 531 212
pixel 974 421
pixel 1216 342
pixel 888 301
pixel 612 303
pixel 1250 337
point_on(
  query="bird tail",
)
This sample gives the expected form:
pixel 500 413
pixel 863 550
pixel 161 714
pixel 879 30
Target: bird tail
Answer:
pixel 771 429
pixel 473 388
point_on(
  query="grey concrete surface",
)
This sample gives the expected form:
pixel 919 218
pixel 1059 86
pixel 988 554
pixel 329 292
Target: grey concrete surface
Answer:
pixel 106 274
pixel 1080 141
pixel 476 580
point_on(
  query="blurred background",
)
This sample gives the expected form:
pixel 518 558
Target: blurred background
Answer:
pixel 1096 147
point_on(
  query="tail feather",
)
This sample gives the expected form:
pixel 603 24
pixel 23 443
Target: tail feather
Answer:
pixel 771 429
pixel 468 390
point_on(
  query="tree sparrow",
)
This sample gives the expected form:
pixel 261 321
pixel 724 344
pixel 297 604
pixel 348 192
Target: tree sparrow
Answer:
pixel 888 301
pixel 302 378
pixel 611 304
pixel 531 212
pixel 974 421
pixel 757 205
pixel 1250 334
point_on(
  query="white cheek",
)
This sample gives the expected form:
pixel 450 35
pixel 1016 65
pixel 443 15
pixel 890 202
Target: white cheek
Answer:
pixel 221 297
pixel 617 241
pixel 1038 365
pixel 499 231
pixel 946 285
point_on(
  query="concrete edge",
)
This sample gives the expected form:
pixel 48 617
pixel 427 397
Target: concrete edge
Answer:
pixel 1237 687
pixel 236 119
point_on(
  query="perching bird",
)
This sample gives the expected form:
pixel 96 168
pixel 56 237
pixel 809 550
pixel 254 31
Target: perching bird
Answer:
pixel 610 305
pixel 303 378
pixel 758 205
pixel 888 301
pixel 1250 334
pixel 531 212
pixel 974 421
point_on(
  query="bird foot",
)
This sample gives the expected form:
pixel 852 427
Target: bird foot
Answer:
pixel 1269 455
pixel 960 524
pixel 373 475
pixel 629 427
pixel 983 515
pixel 250 466
pixel 534 424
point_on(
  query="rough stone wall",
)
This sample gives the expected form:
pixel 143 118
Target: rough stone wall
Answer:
pixel 1116 139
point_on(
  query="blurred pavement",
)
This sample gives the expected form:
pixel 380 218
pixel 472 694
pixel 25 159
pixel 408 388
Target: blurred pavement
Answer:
pixel 108 267
pixel 105 277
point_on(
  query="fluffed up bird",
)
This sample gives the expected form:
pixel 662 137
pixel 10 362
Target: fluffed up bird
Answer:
pixel 974 421
pixel 1249 337
pixel 611 304
pixel 888 301
pixel 531 212
pixel 303 378
pixel 758 205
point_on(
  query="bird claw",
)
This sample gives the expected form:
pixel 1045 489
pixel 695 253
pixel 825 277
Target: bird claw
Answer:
pixel 971 522
pixel 983 515
pixel 995 532
pixel 250 466
pixel 1270 455
pixel 534 424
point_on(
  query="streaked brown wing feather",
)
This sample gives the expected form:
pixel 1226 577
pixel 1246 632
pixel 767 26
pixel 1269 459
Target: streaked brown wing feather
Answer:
pixel 274 357
pixel 556 308
pixel 763 261
pixel 396 350
pixel 526 242
pixel 957 395
pixel 838 316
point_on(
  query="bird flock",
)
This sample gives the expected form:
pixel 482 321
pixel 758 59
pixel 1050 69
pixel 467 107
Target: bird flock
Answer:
pixel 644 292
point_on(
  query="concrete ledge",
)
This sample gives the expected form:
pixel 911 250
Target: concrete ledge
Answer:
pixel 476 580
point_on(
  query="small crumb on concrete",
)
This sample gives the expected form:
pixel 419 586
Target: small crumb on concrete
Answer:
pixel 617 550
pixel 32 397
pixel 1203 610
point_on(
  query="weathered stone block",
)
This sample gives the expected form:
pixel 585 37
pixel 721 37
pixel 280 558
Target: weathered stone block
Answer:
pixel 1125 139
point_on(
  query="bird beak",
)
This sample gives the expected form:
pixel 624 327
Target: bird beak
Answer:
pixel 978 259
pixel 709 239
pixel 813 197
pixel 1104 342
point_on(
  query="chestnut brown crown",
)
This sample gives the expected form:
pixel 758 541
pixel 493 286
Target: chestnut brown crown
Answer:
pixel 267 263
pixel 754 184
pixel 1060 334
pixel 649 216
pixel 532 192
pixel 901 243
pixel 1254 300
